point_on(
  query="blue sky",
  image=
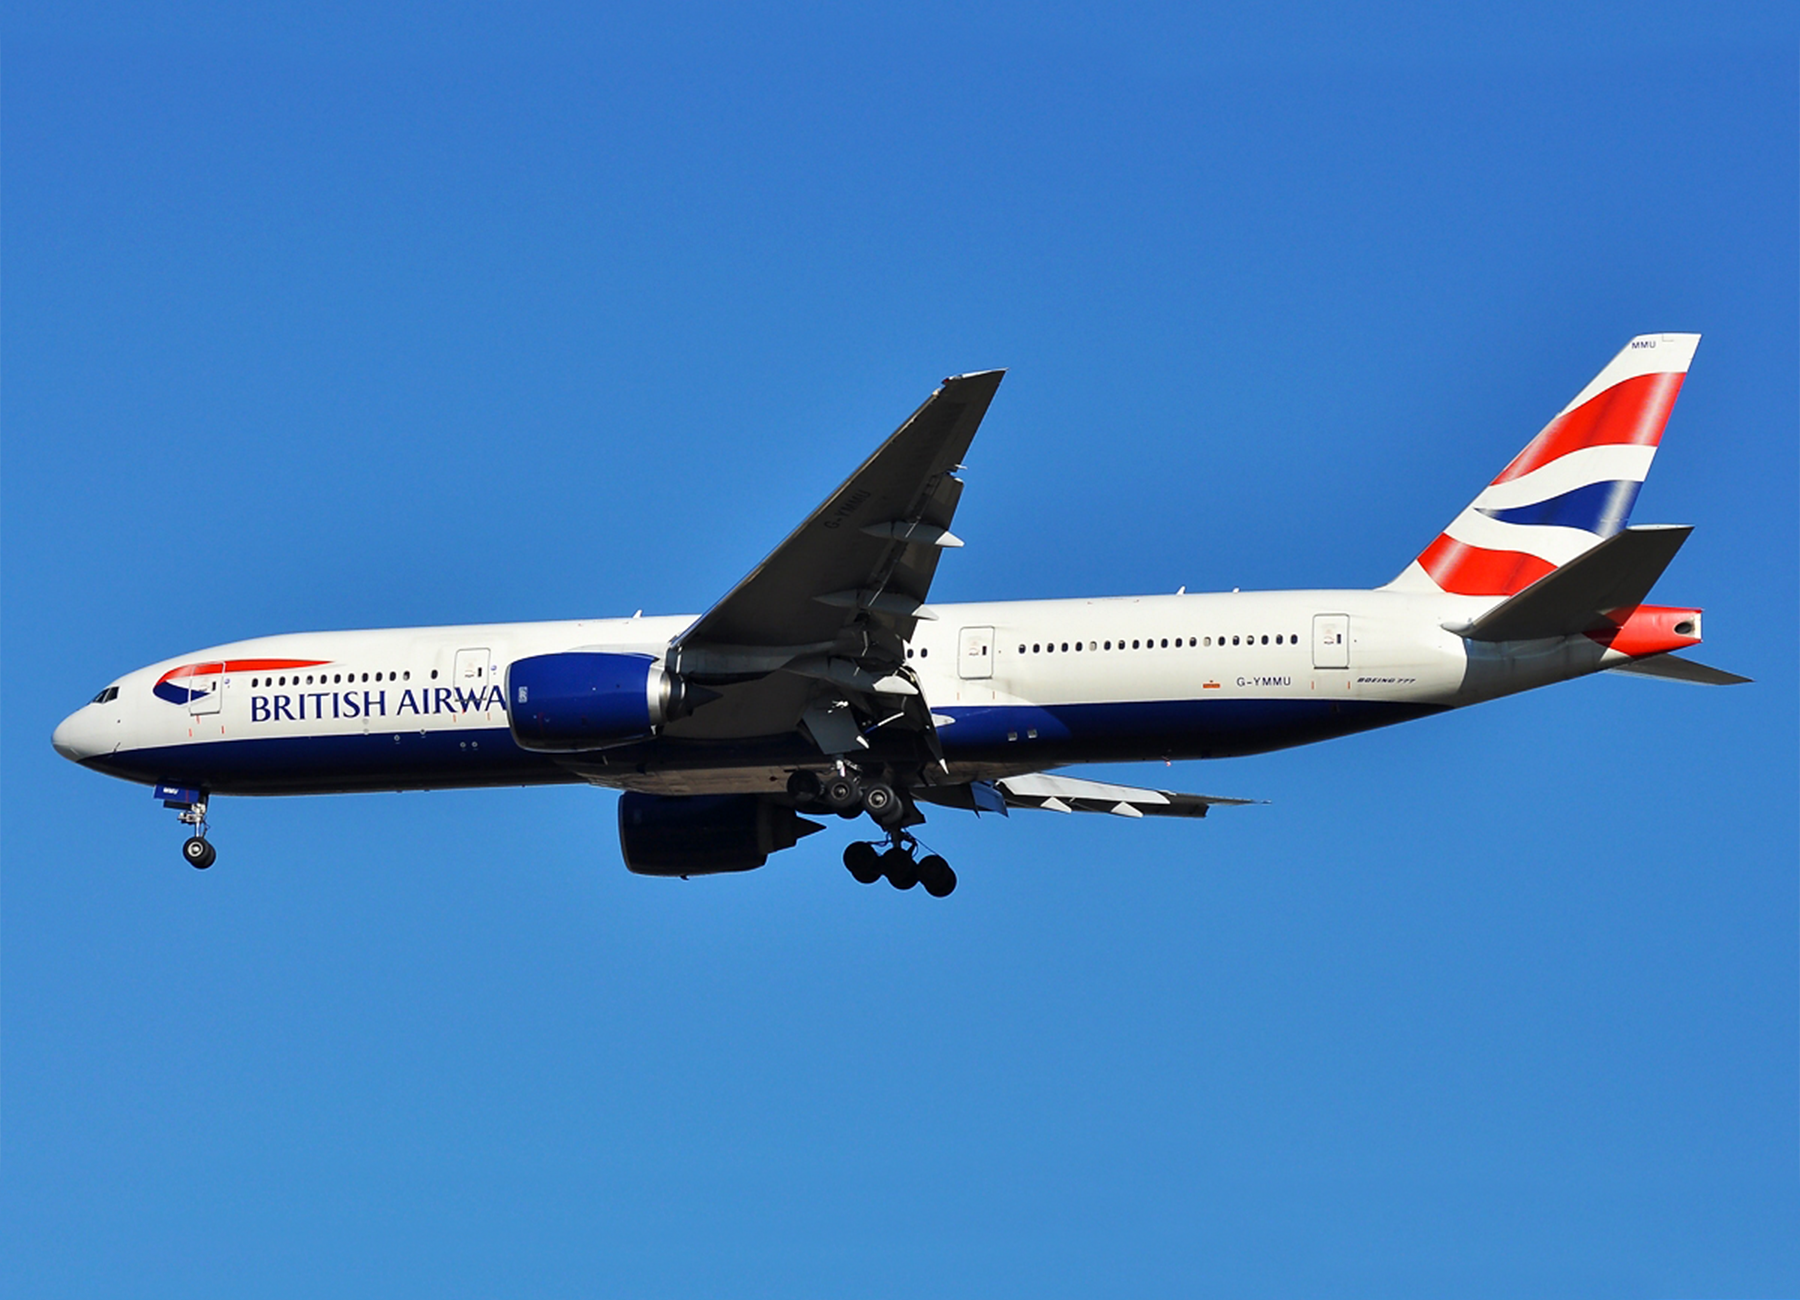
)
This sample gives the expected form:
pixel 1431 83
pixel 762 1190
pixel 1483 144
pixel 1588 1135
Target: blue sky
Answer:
pixel 342 317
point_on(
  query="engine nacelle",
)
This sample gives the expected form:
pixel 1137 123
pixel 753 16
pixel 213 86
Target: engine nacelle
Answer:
pixel 703 834
pixel 585 699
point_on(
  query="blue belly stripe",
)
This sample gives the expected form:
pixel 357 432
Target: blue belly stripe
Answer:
pixel 1065 733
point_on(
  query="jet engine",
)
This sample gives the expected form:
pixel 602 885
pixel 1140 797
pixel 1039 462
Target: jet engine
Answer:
pixel 583 699
pixel 703 834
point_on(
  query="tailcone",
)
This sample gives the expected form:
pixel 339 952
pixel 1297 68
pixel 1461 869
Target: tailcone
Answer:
pixel 1649 630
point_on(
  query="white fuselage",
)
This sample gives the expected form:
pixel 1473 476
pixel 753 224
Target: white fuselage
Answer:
pixel 1014 687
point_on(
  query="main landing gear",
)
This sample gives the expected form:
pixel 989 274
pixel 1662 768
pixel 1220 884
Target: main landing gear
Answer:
pixel 850 793
pixel 190 806
pixel 869 864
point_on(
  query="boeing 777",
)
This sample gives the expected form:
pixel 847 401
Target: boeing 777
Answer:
pixel 825 683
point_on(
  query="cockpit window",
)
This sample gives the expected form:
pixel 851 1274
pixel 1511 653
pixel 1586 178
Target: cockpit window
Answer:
pixel 106 696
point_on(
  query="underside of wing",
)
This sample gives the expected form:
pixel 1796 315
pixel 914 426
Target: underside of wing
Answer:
pixel 1068 794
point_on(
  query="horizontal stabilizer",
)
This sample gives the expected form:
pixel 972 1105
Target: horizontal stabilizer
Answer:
pixel 1675 669
pixel 1616 574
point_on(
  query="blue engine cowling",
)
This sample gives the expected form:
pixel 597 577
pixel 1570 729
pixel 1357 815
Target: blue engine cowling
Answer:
pixel 584 699
pixel 703 834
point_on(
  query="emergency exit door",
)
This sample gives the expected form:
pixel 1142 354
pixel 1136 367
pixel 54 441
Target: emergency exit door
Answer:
pixel 472 678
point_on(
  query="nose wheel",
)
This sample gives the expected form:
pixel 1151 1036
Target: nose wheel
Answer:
pixel 190 810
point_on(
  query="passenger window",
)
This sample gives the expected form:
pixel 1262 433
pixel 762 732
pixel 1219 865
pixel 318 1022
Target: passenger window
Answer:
pixel 1265 640
pixel 1065 647
pixel 1165 643
pixel 923 651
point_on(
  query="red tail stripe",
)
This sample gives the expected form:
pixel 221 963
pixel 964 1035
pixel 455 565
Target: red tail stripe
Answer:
pixel 1631 413
pixel 1465 570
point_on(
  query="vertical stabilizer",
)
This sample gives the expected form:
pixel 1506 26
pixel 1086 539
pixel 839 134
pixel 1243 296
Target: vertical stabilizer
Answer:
pixel 1573 485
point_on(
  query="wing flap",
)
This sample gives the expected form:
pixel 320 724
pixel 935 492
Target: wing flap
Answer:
pixel 1073 794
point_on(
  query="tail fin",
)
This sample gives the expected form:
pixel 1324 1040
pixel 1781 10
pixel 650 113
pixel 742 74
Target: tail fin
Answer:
pixel 1571 488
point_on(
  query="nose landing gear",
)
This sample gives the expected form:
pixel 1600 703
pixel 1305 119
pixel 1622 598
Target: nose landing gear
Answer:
pixel 190 806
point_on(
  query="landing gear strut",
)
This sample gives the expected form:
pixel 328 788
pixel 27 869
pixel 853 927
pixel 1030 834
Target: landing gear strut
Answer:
pixel 190 806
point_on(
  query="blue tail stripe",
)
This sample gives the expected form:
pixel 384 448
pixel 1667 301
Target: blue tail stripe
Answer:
pixel 1599 508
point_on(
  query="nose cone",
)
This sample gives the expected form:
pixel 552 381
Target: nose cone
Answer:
pixel 79 736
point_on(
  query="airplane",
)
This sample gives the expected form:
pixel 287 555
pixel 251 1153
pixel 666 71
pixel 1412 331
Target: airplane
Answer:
pixel 824 683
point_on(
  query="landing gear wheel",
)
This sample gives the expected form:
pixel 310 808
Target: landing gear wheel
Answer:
pixel 936 876
pixel 843 795
pixel 881 803
pixel 199 853
pixel 863 862
pixel 804 786
pixel 897 865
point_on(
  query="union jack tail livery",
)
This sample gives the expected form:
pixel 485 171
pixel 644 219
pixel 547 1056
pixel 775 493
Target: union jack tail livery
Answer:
pixel 1571 488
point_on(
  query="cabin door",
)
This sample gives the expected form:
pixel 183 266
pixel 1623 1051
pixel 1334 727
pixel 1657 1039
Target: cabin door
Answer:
pixel 975 653
pixel 1331 640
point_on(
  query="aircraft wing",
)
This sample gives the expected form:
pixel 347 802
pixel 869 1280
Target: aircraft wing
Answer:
pixel 1068 794
pixel 1072 794
pixel 861 564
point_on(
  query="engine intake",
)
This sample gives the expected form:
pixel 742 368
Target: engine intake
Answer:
pixel 584 699
pixel 704 834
